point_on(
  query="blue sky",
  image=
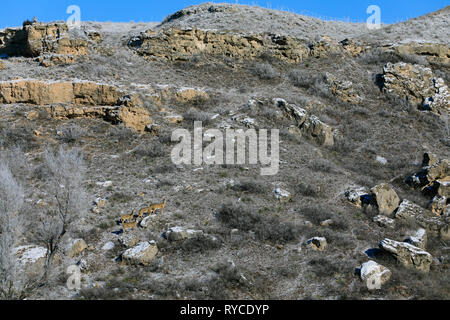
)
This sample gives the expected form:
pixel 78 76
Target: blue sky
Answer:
pixel 14 12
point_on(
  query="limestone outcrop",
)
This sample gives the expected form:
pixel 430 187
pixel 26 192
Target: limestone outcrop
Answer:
pixel 79 99
pixel 37 39
pixel 176 44
pixel 418 85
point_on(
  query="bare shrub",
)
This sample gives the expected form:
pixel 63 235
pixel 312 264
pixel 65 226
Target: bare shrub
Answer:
pixel 122 134
pixel 17 137
pixel 71 134
pixel 250 186
pixel 307 190
pixel 263 70
pixel 316 84
pixel 152 150
pixel 12 284
pixel 300 78
pixel 193 115
pixel 265 228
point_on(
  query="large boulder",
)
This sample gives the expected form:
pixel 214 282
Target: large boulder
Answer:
pixel 374 275
pixel 318 131
pixel 142 254
pixel 180 233
pixel 408 255
pixel 385 198
pixel 424 218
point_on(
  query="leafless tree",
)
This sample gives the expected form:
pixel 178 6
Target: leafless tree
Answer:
pixel 68 200
pixel 11 200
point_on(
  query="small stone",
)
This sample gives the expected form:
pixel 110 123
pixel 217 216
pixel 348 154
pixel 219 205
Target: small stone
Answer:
pixel 108 246
pixel 317 243
pixel 282 195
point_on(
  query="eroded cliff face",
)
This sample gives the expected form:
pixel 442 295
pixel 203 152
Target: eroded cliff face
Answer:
pixel 176 44
pixel 38 39
pixel 51 92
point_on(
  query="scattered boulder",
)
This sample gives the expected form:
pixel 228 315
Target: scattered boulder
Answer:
pixel 282 195
pixel 327 223
pixel 374 275
pixel 318 131
pixel 292 111
pixel 317 243
pixel 409 210
pixel 180 233
pixel 408 255
pixel 2 65
pixel 358 196
pixel 384 221
pixel 385 198
pixel 148 221
pixel 424 218
pixel 142 254
pixel 108 246
pixel 419 239
pixel 439 205
pixel 75 248
pixel 128 240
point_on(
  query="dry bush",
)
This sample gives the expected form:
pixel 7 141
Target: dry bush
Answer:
pixel 72 133
pixel 263 71
pixel 12 282
pixel 265 228
pixel 151 150
pixel 250 186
